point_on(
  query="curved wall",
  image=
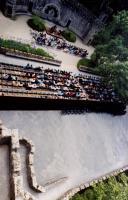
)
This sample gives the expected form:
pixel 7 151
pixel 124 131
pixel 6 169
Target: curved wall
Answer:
pixel 78 146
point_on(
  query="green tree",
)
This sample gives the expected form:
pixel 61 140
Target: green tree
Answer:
pixel 117 27
pixel 111 53
pixel 115 75
pixel 115 188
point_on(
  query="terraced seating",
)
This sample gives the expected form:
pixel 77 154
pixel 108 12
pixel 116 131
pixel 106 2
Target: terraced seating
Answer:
pixel 51 83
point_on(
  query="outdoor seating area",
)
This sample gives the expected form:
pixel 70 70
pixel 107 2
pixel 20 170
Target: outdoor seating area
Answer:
pixel 96 89
pixel 53 82
pixel 57 43
pixel 56 83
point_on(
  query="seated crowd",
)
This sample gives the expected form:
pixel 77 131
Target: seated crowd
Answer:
pixel 62 84
pixel 52 41
pixel 96 89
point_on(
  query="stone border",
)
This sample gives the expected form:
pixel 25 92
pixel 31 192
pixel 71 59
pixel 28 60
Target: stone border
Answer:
pixel 11 138
pixel 70 193
pixel 30 165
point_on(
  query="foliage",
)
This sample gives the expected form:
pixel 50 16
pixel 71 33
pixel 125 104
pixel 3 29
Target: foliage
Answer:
pixel 23 47
pixel 111 53
pixel 36 23
pixel 117 27
pixel 114 188
pixel 69 36
pixel 85 62
pixel 115 75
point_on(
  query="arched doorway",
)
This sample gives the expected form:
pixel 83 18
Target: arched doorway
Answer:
pixel 51 11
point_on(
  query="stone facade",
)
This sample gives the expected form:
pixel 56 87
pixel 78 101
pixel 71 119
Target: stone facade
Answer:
pixel 68 14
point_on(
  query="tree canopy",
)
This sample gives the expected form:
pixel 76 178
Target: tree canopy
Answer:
pixel 111 53
pixel 113 188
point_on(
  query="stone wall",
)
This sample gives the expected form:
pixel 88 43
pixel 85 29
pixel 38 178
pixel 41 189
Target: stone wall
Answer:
pixel 78 19
pixel 68 195
pixel 11 138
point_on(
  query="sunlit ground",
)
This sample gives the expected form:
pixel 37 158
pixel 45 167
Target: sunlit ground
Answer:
pixel 19 30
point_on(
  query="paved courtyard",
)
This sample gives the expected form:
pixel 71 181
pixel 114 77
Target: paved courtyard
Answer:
pixel 19 30
pixel 80 147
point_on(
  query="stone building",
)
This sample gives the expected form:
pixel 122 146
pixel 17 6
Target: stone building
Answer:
pixel 68 14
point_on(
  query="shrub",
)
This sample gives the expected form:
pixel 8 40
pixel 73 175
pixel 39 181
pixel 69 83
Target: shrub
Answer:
pixel 85 62
pixel 88 66
pixel 69 36
pixel 36 23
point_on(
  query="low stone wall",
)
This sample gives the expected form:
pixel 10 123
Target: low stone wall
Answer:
pixel 30 165
pixel 12 139
pixel 69 194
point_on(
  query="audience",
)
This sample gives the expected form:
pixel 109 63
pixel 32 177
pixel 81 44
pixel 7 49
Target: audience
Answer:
pixel 61 83
pixel 61 44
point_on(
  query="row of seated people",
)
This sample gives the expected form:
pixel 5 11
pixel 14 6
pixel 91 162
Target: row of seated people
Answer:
pixel 97 89
pixel 61 44
pixel 30 70
pixel 64 83
pixel 27 71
